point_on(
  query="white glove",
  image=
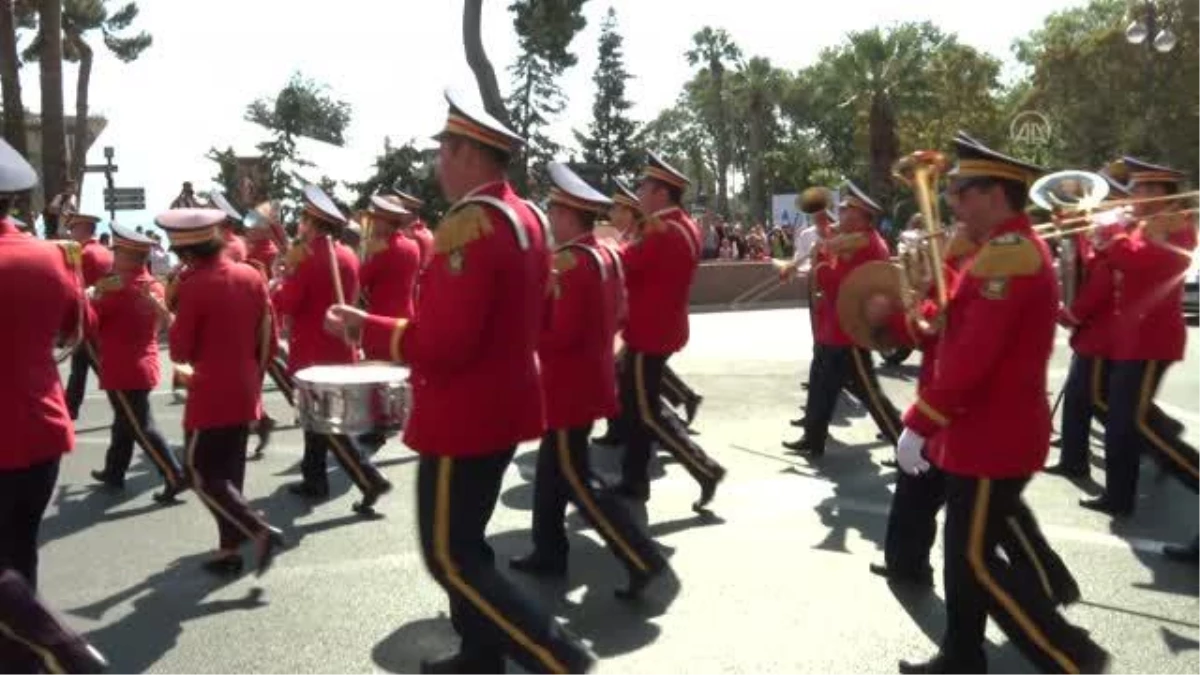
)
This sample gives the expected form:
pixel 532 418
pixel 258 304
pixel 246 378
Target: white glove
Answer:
pixel 908 453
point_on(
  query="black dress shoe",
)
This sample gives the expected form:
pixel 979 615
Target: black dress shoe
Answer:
pixel 691 406
pixel 638 581
pixel 366 506
pixel 109 481
pixel 914 578
pixel 224 566
pixel 268 545
pixel 538 565
pixel 1103 504
pixel 1184 553
pixel 464 662
pixel 170 495
pixel 266 426
pixel 804 447
pixel 943 664
pixel 798 422
pixel 1067 471
pixel 1066 591
pixel 78 656
pixel 804 386
pixel 635 491
pixel 309 491
pixel 708 490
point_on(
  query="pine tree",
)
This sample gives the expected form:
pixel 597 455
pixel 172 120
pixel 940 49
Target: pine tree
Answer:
pixel 607 149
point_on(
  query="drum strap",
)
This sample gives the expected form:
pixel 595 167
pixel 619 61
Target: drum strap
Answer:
pixel 542 220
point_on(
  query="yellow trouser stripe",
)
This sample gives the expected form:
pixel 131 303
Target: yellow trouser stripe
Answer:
pixel 651 420
pixel 1143 424
pixel 1015 526
pixel 975 548
pixel 164 466
pixel 198 488
pixel 1098 401
pixel 351 461
pixel 873 397
pixel 47 656
pixel 585 497
pixel 441 552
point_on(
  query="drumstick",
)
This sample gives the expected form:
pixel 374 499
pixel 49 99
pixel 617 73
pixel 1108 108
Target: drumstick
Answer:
pixel 337 277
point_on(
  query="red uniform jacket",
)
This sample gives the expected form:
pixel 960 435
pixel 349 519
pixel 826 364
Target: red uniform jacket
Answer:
pixel 41 299
pixel 659 267
pixel 389 276
pixel 844 253
pixel 127 331
pixel 235 246
pixel 224 328
pixel 97 262
pixel 1148 270
pixel 1092 314
pixel 304 296
pixel 578 378
pixel 985 411
pixel 261 253
pixel 472 343
pixel 419 233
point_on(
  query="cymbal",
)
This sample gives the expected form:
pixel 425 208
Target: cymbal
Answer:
pixel 867 280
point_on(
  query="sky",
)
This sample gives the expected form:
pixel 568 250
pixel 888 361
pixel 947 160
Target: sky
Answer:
pixel 392 59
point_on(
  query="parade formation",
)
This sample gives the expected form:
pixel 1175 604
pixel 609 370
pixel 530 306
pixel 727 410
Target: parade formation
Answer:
pixel 506 324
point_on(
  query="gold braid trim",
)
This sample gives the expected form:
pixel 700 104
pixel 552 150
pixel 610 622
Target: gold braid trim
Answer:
pixel 564 260
pixel 1005 256
pixel 461 227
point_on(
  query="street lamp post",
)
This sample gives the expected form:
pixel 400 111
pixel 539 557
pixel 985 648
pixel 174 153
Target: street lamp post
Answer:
pixel 1146 22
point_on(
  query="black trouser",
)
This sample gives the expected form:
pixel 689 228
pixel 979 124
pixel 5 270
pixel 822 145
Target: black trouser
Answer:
pixel 32 639
pixel 81 361
pixel 912 528
pixel 835 367
pixel 133 422
pixel 24 494
pixel 1136 424
pixel 1083 397
pixel 644 422
pixel 675 390
pixel 316 445
pixel 979 582
pixel 455 501
pixel 565 475
pixel 216 460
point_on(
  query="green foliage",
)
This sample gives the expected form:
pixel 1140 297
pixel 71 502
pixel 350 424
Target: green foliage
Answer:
pixel 303 107
pixel 226 161
pixel 609 144
pixel 81 17
pixel 407 168
pixel 712 50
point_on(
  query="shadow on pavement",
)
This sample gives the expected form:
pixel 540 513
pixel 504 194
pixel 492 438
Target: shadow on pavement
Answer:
pixel 80 506
pixel 161 605
pixel 1177 643
pixel 842 463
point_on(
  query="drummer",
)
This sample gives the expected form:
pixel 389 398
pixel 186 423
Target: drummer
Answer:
pixel 302 297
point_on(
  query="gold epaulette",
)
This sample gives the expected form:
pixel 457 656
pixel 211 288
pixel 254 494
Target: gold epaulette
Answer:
pixel 376 246
pixel 109 283
pixel 461 227
pixel 563 261
pixel 1008 255
pixel 295 255
pixel 72 253
pixel 653 225
pixel 959 246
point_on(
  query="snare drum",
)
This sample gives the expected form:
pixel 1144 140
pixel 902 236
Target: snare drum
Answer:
pixel 353 399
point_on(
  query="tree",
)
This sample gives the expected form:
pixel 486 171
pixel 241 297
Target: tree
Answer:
pixel 756 89
pixel 609 143
pixel 545 30
pixel 409 169
pixel 54 143
pixel 303 107
pixel 10 84
pixel 485 75
pixel 679 136
pixel 712 49
pixel 227 165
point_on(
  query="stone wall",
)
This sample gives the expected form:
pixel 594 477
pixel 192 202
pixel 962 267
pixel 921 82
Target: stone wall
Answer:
pixel 726 284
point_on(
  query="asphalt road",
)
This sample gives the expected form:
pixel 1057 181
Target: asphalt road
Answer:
pixel 776 580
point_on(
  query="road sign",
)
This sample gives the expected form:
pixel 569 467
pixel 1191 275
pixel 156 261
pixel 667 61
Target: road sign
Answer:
pixel 99 168
pixel 124 199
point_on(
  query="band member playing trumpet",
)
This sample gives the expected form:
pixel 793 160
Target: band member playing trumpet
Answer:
pixel 1148 336
pixel 996 336
pixel 303 296
pixel 97 263
pixel 659 267
pixel 579 384
pixel 472 348
pixel 127 326
pixel 837 362
pixel 223 327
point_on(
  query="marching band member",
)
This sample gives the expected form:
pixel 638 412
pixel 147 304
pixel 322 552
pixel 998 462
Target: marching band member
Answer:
pixel 33 639
pixel 127 327
pixel 303 296
pixel 223 327
pixel 97 263
pixel 476 392
pixel 580 387
pixel 837 362
pixel 995 343
pixel 809 257
pixel 1148 336
pixel 263 231
pixel 235 245
pixel 414 226
pixel 1090 317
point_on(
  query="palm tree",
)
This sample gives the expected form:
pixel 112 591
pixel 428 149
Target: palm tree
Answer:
pixel 757 88
pixel 711 50
pixel 10 83
pixel 50 54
